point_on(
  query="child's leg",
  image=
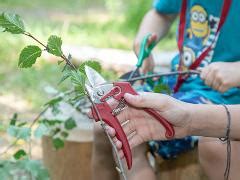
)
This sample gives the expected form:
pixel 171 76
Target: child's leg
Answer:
pixel 141 168
pixel 212 156
pixel 103 166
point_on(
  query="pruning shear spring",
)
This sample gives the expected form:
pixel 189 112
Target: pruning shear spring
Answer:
pixel 101 91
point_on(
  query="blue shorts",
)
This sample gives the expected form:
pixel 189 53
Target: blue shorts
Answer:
pixel 172 148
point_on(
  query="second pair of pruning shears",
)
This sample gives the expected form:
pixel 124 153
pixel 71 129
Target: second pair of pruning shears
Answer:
pixel 144 52
pixel 100 91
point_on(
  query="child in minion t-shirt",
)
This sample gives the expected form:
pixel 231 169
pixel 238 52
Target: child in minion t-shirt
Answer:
pixel 220 75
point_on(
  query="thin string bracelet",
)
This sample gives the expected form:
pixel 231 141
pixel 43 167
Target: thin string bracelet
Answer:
pixel 227 139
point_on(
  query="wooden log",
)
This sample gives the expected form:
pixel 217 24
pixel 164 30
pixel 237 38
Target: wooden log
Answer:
pixel 185 167
pixel 70 163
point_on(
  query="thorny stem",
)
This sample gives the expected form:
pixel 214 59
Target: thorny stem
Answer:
pixel 120 169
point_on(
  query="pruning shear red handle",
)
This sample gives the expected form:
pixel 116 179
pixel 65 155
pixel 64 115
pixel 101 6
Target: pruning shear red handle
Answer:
pixel 105 111
pixel 127 88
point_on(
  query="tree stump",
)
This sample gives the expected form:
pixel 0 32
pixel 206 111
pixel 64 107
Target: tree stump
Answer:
pixel 185 167
pixel 70 163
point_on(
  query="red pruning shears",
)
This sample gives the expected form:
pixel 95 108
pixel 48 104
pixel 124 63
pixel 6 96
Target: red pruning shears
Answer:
pixel 101 91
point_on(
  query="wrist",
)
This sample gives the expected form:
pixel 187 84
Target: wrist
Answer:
pixel 208 120
pixel 190 111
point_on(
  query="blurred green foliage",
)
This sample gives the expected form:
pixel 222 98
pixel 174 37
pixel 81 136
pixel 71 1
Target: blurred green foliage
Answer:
pixel 98 23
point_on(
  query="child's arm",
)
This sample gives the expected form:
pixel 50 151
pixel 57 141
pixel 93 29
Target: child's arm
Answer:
pixel 156 24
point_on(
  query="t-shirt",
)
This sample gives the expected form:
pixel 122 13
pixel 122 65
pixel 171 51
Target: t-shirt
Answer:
pixel 202 21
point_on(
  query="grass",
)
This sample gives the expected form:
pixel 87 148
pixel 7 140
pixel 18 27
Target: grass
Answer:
pixel 95 23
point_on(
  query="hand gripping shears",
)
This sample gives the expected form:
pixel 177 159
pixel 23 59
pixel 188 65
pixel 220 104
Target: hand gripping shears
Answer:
pixel 100 92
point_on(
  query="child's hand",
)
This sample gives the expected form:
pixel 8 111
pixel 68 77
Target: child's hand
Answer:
pixel 140 127
pixel 222 76
pixel 148 63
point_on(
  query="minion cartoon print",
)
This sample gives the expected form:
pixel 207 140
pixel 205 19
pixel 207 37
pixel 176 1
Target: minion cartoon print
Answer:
pixel 200 33
pixel 199 29
pixel 188 58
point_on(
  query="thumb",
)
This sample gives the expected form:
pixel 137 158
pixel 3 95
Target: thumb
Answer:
pixel 147 100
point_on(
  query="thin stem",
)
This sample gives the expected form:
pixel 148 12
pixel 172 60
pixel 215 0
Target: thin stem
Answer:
pixel 62 56
pixel 68 62
pixel 31 36
pixel 9 147
pixel 32 124
pixel 38 116
pixel 162 74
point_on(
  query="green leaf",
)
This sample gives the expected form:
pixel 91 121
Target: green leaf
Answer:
pixel 55 131
pixel 12 23
pixel 41 130
pixel 66 73
pixel 19 154
pixel 58 143
pixel 14 119
pixel 55 45
pixel 51 122
pixel 54 101
pixel 64 134
pixel 22 124
pixel 60 62
pixel 19 132
pixel 70 124
pixel 93 64
pixel 35 168
pixel 162 88
pixel 78 80
pixel 29 56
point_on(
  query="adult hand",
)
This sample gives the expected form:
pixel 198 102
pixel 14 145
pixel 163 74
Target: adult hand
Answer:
pixel 148 63
pixel 140 127
pixel 221 76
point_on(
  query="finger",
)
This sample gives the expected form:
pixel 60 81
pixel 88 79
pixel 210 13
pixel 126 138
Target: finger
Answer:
pixel 121 154
pixel 117 143
pixel 216 84
pixel 111 131
pixel 222 89
pixel 204 72
pixel 129 128
pixel 148 100
pixel 135 141
pixel 209 79
pixel 90 115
